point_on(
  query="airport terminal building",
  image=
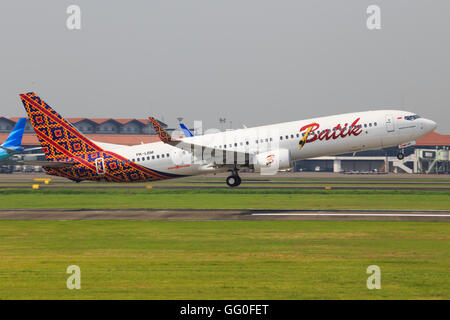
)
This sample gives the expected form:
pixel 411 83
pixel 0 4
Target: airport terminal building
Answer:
pixel 430 154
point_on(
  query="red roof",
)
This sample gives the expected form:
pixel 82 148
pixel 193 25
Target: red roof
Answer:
pixel 15 119
pixel 30 139
pixel 103 120
pixel 434 139
pixel 96 120
pixel 125 121
pixel 75 120
pixel 124 139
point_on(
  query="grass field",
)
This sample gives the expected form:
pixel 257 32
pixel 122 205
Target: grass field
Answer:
pixel 224 260
pixel 224 199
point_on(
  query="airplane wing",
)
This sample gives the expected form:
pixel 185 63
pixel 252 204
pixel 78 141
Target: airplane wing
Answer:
pixel 223 154
pixel 51 164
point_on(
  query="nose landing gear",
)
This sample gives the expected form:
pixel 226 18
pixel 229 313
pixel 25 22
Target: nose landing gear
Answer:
pixel 234 180
pixel 400 155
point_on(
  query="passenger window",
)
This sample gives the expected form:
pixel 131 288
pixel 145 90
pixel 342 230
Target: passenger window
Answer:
pixel 133 160
pixel 153 157
pixel 287 137
pixel 370 124
pixel 157 156
pixel 162 156
pixel 281 138
pixel 374 124
pixel 246 142
pixel 235 144
pixel 167 155
pixel 365 125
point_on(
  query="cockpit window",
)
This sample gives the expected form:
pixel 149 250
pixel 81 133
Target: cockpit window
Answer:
pixel 413 117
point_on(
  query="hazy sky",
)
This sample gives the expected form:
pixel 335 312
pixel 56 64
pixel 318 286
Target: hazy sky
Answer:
pixel 251 61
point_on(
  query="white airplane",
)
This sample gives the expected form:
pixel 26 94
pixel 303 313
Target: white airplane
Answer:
pixel 268 148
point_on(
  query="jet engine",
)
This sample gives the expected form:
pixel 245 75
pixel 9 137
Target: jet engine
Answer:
pixel 274 160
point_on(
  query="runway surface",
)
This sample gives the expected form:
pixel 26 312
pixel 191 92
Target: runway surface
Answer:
pixel 211 215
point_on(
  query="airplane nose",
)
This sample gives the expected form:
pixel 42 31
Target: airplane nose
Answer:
pixel 434 125
pixel 430 125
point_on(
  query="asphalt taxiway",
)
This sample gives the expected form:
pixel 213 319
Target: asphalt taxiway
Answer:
pixel 206 186
pixel 211 215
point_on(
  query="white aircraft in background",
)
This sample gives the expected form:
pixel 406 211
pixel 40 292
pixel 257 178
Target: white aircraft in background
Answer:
pixel 268 148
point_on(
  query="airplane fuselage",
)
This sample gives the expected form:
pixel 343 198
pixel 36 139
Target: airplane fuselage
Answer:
pixel 329 135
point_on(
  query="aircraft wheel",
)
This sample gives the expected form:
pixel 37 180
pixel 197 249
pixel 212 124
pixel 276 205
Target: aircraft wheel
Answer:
pixel 400 156
pixel 233 181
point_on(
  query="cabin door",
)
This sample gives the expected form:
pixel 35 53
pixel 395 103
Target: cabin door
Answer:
pixel 100 166
pixel 390 123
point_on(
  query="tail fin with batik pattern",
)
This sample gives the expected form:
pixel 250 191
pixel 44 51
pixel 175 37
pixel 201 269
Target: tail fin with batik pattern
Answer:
pixel 58 137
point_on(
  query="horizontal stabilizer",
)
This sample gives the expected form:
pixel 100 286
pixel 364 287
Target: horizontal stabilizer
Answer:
pixel 51 164
pixel 8 150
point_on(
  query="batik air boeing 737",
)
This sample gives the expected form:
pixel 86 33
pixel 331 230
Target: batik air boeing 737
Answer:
pixel 268 148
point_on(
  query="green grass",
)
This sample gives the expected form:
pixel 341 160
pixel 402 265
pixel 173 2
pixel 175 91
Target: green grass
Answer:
pixel 223 199
pixel 224 259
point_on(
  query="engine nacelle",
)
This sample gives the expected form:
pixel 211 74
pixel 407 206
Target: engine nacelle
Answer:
pixel 273 160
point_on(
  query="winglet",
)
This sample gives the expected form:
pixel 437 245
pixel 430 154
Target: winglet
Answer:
pixel 162 134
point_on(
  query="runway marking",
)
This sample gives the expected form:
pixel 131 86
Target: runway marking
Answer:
pixel 353 214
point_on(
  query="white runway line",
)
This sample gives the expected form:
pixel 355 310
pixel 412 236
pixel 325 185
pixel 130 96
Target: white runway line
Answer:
pixel 353 214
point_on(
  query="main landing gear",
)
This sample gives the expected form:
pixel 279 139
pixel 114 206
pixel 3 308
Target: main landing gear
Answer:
pixel 234 180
